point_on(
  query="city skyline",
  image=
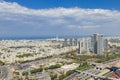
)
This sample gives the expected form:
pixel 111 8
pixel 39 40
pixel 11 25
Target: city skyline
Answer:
pixel 20 18
pixel 59 40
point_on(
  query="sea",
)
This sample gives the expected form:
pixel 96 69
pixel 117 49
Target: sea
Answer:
pixel 38 38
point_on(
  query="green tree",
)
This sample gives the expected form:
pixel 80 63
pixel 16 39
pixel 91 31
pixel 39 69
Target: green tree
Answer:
pixel 25 73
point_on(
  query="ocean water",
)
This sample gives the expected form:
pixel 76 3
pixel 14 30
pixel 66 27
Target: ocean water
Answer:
pixel 38 38
pixel 25 38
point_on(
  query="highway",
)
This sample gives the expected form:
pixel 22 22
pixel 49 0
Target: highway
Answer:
pixel 95 72
pixel 93 75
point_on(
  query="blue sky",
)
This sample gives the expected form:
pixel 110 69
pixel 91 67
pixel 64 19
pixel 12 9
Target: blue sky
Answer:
pixel 59 17
pixel 43 4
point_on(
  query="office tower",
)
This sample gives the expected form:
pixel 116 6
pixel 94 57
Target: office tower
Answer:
pixel 94 42
pixel 71 41
pixel 75 42
pixel 84 45
pixel 80 46
pixel 106 46
pixel 97 43
pixel 65 42
pixel 87 45
pixel 100 44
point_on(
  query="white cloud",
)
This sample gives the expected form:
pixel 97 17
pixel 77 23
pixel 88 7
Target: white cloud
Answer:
pixel 18 20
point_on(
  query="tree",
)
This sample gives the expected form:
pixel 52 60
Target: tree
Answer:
pixel 25 73
pixel 2 63
pixel 107 53
pixel 53 76
pixel 36 70
pixel 55 66
pixel 69 72
pixel 16 73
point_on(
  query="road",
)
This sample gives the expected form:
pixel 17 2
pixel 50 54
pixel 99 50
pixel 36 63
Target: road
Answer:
pixel 6 73
pixel 94 72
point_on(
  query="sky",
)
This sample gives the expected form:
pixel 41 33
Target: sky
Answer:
pixel 21 18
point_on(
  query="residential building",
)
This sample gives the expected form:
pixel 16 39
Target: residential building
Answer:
pixel 97 41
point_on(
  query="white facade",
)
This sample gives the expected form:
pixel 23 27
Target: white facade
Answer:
pixel 97 43
pixel 84 45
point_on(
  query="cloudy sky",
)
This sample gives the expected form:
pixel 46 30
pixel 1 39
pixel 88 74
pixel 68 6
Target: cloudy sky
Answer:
pixel 59 17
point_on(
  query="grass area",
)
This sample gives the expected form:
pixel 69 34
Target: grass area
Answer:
pixel 36 70
pixel 25 73
pixel 82 67
pixel 104 59
pixel 61 77
pixel 54 66
pixel 2 63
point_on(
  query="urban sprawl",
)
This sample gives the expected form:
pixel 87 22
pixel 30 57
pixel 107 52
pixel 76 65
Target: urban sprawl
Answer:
pixel 90 58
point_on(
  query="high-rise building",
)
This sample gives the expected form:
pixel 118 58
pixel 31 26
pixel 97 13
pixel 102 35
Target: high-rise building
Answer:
pixel 75 41
pixel 84 45
pixel 94 40
pixel 106 46
pixel 80 46
pixel 97 43
pixel 100 44
pixel 70 42
pixel 65 42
